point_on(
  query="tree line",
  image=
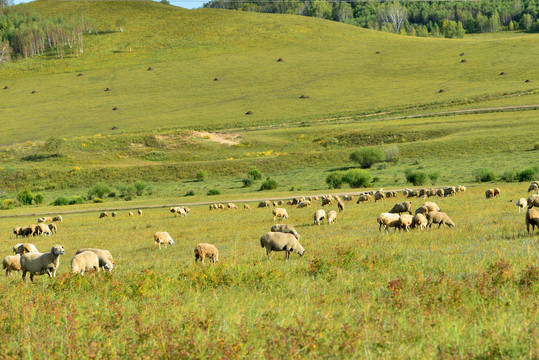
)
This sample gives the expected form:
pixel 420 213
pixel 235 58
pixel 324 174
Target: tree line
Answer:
pixel 416 18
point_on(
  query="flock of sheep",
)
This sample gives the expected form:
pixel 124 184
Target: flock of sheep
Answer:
pixel 281 237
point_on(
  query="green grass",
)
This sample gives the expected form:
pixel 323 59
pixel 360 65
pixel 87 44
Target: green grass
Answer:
pixel 468 292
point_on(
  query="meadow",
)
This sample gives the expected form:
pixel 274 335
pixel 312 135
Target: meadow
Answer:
pixel 468 292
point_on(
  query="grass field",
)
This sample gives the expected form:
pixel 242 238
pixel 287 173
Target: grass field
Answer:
pixel 468 292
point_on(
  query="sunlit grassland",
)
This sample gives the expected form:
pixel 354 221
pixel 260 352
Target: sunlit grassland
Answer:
pixel 467 292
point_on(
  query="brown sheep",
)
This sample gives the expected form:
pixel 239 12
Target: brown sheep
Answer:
pixel 246 207
pixel 532 218
pixel 489 193
pixel 439 218
pixel 402 207
pixel 496 192
pixel 533 201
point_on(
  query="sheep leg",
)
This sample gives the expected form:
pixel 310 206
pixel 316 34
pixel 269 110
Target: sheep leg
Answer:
pixel 268 252
pixel 32 277
pixel 7 272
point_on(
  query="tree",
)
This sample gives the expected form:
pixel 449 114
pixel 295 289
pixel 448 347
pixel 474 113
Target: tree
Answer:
pixel 393 13
pixel 343 12
pixel 415 177
pixel 201 175
pixel 526 22
pixel 321 9
pixel 367 156
pixel 357 178
pixel 53 144
pixel 25 197
pixel 98 190
pixel 255 174
pixel 6 3
pixel 335 180
pixel 5 51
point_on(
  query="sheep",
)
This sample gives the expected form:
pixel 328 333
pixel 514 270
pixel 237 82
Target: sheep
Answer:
pixel 533 201
pixel 431 206
pixel 113 214
pixel 84 261
pixel 28 231
pixel 319 216
pixel 58 218
pixel 534 186
pixel 379 196
pixel 177 210
pixel 489 193
pixel 422 210
pixel 279 213
pixel 263 204
pixel 496 192
pixel 326 201
pixel 412 193
pixel 246 207
pixel 280 203
pixel 39 264
pixel 278 241
pixel 348 197
pixel 431 193
pixel 419 220
pixel 231 206
pixel 303 204
pixel 130 213
pixel 103 215
pixel 24 248
pixel 340 205
pixel 289 202
pixel 449 191
pixel 17 231
pixel 402 207
pixel 213 206
pixel 12 263
pixel 440 192
pixel 206 250
pixel 106 260
pixel 532 218
pixel 461 188
pixel 405 221
pixel 422 193
pixel 274 203
pixel 332 216
pixel 521 204
pixel 44 219
pixel 162 237
pixel 285 228
pixel 364 198
pixel 42 229
pixel 139 211
pixel 187 209
pixel 53 228
pixel 439 218
pixel 388 220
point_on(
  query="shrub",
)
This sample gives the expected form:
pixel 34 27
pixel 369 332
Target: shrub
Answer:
pixel 99 190
pixel 25 197
pixel 415 177
pixel 190 193
pixel 484 175
pixel 335 180
pixel 536 146
pixel 255 174
pixel 139 187
pixel 269 184
pixel 76 200
pixel 201 175
pixel 434 176
pixel 367 156
pixel 61 201
pixel 156 156
pixel 8 204
pixel 214 192
pixel 111 194
pixel 38 198
pixel 392 153
pixel 357 178
pixel 247 182
pixel 509 176
pixel 98 200
pixel 526 175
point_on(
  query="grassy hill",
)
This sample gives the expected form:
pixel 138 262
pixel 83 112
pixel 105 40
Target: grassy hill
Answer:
pixel 350 87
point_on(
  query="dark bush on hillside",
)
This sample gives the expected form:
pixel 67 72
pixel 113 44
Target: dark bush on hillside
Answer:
pixel 97 200
pixel 38 199
pixel 25 197
pixel 76 200
pixel 201 175
pixel 357 178
pixel 415 177
pixel 99 190
pixel 214 192
pixel 434 176
pixel 367 156
pixel 255 174
pixel 269 184
pixel 335 180
pixel 526 175
pixel 61 201
pixel 484 175
pixel 247 182
pixel 190 193
pixel 509 176
pixel 139 187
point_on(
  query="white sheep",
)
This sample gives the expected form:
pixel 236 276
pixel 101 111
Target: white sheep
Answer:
pixel 405 221
pixel 58 218
pixel 304 204
pixel 279 213
pixel 17 231
pixel 388 220
pixel 246 207
pixel 319 216
pixel 103 215
pixel 532 218
pixel 162 237
pixel 521 203
pixel 340 205
pixel 263 204
pixel 187 209
pixel 278 241
pixel 379 195
pixel 439 218
pixel 326 201
pixel 139 212
pixel 206 250
pixel 364 198
pixel 53 228
pixel 231 206
pixel 402 207
pixel 12 263
pixel 39 264
pixel 533 201
pixel 285 228
pixel 130 213
pixel 44 229
pixel 431 206
pixel 84 261
pixel 106 260
pixel 534 186
pixel 420 221
pixel 23 248
pixel 332 216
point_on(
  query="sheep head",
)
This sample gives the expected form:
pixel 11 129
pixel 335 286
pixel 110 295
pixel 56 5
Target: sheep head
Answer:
pixel 58 250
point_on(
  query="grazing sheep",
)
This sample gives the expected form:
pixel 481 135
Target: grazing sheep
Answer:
pixel 533 201
pixel 130 213
pixel 279 213
pixel 24 248
pixel 113 214
pixel 162 237
pixel 103 215
pixel 405 221
pixel 402 207
pixel 450 191
pixel 379 196
pixel 303 204
pixel 496 192
pixel 364 198
pixel 274 203
pixel 521 203
pixel 440 192
pixel 44 219
pixel 39 264
pixel 12 263
pixel 53 228
pixel 42 229
pixel 431 206
pixel 439 218
pixel 263 204
pixel 422 210
pixel 40 220
pixel 489 193
pixel 139 211
pixel 213 206
pixel 231 206
pixel 280 203
pixel 246 207
pixel 534 186
pixel 326 201
pixel 206 250
pixel 285 228
pixel 419 220
pixel 319 216
pixel 278 241
pixel 388 220
pixel 28 231
pixel 58 218
pixel 532 218
pixel 431 192
pixel 105 258
pixel 332 216
pixel 340 205
pixel 461 188
pixel 84 261
pixel 187 209
pixel 177 210
pixel 348 197
pixel 17 231
pixel 412 193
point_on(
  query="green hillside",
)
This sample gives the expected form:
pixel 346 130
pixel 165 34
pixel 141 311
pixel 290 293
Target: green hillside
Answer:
pixel 350 75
